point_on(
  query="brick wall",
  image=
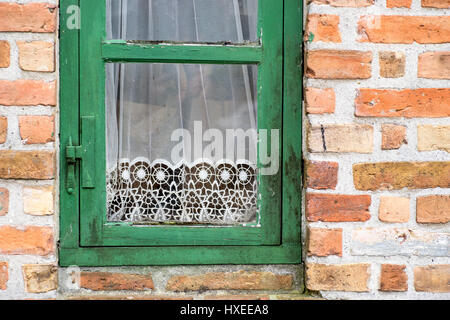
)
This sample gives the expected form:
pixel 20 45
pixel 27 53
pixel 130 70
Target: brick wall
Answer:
pixel 377 127
pixel 377 166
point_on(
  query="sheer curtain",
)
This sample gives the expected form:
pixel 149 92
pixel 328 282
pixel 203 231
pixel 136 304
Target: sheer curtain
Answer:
pixel 147 103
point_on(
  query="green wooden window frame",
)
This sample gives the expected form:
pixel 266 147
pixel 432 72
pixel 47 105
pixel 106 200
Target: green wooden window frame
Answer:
pixel 86 238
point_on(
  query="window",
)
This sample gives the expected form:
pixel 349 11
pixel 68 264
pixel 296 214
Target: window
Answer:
pixel 180 132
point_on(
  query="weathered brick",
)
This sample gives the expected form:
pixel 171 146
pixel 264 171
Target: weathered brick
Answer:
pixel 341 138
pixel 431 138
pixel 338 64
pixel 399 241
pixel 30 17
pixel 404 29
pixel 40 278
pixel 392 64
pixel 39 165
pixel 409 103
pixel 394 209
pixel 38 201
pixel 4 275
pixel 399 175
pixel 37 129
pixel 236 297
pixel 324 242
pixel 36 56
pixel 392 136
pixel 134 296
pixel 433 278
pixel 393 278
pixel 337 207
pixel 344 3
pixel 26 240
pixel 434 65
pixel 321 174
pixel 4 201
pixel 433 209
pixel 108 281
pixel 442 4
pixel 4 54
pixel 398 3
pixel 27 93
pixel 241 280
pixel 3 129
pixel 322 27
pixel 348 277
pixel 319 101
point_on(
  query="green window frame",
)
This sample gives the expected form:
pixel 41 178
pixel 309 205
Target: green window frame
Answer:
pixel 86 238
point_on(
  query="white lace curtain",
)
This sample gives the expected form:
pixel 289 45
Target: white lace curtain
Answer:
pixel 145 103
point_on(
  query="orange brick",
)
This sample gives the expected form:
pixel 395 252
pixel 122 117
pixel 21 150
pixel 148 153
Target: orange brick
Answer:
pixel 107 281
pixel 320 100
pixel 399 175
pixel 36 56
pixel 4 275
pixel 324 242
pixel 433 209
pixel 27 93
pixel 337 207
pixel 409 103
pixel 37 129
pixel 321 174
pixel 3 129
pixel 336 64
pixel 393 136
pixel 442 4
pixel 39 165
pixel 344 3
pixel 394 209
pixel 404 29
pixel 434 65
pixel 241 280
pixel 393 278
pixel 4 201
pixel 323 27
pixel 433 278
pixel 4 54
pixel 398 3
pixel 26 240
pixel 30 17
pixel 348 277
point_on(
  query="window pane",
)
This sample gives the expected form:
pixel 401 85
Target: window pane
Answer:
pixel 183 20
pixel 181 143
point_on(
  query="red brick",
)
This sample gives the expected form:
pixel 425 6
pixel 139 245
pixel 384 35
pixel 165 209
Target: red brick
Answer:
pixel 409 103
pixel 393 136
pixel 30 17
pixel 433 209
pixel 393 278
pixel 336 64
pixel 39 165
pixel 337 207
pixel 398 3
pixel 4 54
pixel 404 29
pixel 106 281
pixel 241 280
pixel 399 175
pixel 344 3
pixel 323 27
pixel 321 174
pixel 324 242
pixel 320 100
pixel 434 65
pixel 4 275
pixel 37 129
pixel 433 278
pixel 4 201
pixel 3 129
pixel 27 93
pixel 26 240
pixel 442 4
